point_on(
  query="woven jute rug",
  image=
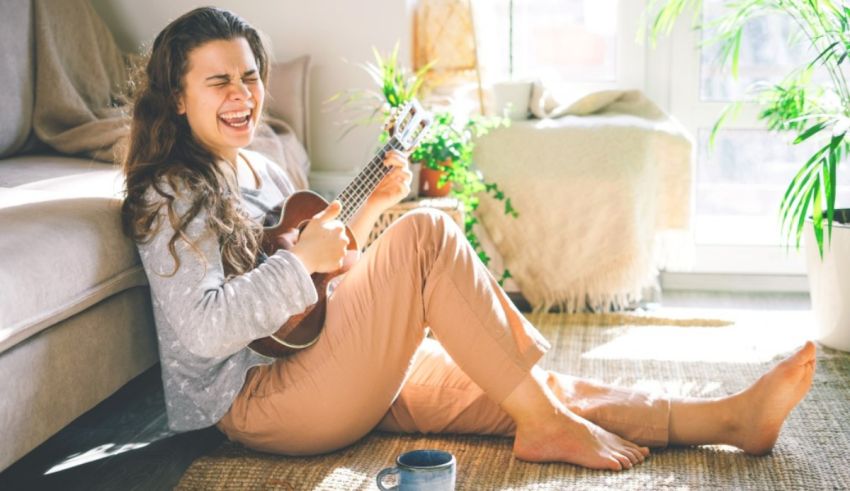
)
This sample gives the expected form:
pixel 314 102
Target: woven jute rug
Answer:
pixel 704 358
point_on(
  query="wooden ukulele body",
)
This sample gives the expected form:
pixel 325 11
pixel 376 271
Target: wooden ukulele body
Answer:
pixel 406 127
pixel 301 330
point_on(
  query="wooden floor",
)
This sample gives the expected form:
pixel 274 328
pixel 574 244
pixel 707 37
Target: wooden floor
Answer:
pixel 124 443
pixel 121 444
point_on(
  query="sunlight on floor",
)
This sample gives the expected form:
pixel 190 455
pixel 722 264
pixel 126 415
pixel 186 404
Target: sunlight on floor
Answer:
pixel 104 451
pixel 341 476
pixel 97 453
pixel 756 337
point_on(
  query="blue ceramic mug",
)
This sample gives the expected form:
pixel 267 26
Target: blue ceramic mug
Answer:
pixel 421 470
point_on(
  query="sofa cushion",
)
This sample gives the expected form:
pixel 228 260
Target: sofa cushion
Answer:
pixel 68 177
pixel 58 258
pixel 287 96
pixel 17 76
pixel 62 248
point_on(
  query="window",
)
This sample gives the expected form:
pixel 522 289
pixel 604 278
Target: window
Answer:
pixel 768 51
pixel 583 45
pixel 562 42
pixel 739 183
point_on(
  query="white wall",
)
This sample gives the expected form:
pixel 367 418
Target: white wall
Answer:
pixel 328 30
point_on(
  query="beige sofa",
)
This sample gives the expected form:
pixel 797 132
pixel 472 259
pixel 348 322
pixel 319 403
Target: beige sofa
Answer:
pixel 75 314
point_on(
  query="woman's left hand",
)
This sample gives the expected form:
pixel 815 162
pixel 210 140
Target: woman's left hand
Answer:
pixel 395 185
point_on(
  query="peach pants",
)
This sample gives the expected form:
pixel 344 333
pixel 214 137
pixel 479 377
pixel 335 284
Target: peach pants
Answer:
pixel 374 367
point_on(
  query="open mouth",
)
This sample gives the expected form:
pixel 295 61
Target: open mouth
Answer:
pixel 236 119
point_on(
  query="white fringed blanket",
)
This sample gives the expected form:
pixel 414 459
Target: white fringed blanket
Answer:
pixel 596 183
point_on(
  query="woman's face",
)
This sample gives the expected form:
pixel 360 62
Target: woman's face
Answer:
pixel 222 95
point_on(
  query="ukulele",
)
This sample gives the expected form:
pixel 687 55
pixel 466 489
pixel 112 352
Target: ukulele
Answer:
pixel 300 331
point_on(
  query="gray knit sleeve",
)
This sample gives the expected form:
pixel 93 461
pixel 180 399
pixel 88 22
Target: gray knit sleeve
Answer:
pixel 213 317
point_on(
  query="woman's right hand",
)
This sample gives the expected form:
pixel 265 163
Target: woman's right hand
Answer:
pixel 322 244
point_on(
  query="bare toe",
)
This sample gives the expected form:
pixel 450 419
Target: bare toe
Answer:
pixel 623 460
pixel 635 455
pixel 614 464
pixel 636 450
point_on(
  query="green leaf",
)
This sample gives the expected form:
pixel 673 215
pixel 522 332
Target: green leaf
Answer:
pixel 825 54
pixel 817 216
pixel 731 111
pixel 800 213
pixel 667 15
pixel 830 180
pixel 484 257
pixel 736 51
pixel 814 129
pixel 506 274
pixel 798 202
pixel 799 182
pixel 509 208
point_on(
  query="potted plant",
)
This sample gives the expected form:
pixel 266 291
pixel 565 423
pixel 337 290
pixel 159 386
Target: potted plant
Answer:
pixel 447 168
pixel 445 153
pixel 437 155
pixel 813 112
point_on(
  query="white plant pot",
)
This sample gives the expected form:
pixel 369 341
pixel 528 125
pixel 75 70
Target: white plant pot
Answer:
pixel 829 282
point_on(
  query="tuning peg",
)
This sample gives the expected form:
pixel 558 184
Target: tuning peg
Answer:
pixel 400 116
pixel 389 124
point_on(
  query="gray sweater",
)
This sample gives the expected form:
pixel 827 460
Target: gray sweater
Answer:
pixel 204 322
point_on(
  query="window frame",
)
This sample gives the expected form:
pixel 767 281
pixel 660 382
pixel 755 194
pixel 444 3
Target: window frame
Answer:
pixel 630 59
pixel 673 81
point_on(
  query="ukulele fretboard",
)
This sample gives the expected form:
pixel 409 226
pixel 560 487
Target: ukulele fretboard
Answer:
pixel 358 191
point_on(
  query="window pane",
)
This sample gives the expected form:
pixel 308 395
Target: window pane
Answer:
pixel 570 40
pixel 555 40
pixel 766 55
pixel 741 181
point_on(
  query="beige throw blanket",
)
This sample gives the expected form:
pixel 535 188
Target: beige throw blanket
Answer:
pixel 81 107
pixel 597 183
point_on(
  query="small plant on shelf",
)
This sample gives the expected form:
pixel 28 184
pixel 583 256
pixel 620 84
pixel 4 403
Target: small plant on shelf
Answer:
pixel 446 149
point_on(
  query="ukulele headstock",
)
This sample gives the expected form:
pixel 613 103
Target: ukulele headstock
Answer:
pixel 408 124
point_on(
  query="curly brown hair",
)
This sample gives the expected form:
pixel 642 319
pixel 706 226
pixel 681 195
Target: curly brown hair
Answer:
pixel 161 148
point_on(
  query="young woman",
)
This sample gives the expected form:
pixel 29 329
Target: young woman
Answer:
pixel 196 202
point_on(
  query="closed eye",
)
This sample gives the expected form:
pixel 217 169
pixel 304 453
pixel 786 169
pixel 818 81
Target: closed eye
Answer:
pixel 222 80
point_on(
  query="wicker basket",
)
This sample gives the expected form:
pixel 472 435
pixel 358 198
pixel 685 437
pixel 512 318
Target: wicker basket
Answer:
pixel 453 207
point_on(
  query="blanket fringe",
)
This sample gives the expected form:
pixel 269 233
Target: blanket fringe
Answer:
pixel 671 249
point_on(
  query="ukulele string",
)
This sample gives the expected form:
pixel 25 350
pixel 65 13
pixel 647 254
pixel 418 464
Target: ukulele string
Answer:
pixel 356 193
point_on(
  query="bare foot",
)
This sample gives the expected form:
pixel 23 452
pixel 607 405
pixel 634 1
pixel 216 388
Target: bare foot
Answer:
pixel 764 406
pixel 566 437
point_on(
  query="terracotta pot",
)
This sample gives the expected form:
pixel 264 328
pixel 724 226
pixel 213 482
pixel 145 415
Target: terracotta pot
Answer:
pixel 428 179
